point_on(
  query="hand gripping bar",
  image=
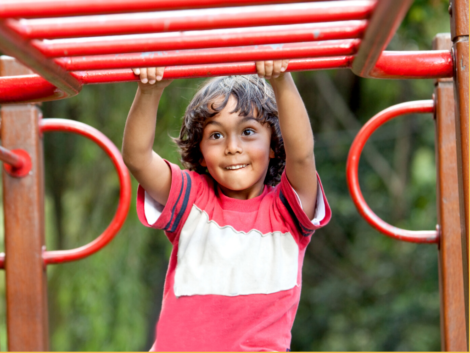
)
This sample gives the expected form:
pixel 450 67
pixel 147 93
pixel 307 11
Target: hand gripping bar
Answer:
pixel 428 236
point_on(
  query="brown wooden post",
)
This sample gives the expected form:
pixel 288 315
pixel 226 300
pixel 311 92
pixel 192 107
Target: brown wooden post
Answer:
pixel 453 326
pixel 23 203
pixel 458 10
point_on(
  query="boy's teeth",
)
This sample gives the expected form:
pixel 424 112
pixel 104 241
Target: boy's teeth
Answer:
pixel 237 166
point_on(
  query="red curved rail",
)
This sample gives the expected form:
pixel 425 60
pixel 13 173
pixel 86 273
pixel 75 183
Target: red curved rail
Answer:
pixel 65 125
pixel 425 106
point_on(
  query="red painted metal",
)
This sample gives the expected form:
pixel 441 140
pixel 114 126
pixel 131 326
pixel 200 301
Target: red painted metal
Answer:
pixel 11 158
pixel 201 39
pixel 413 64
pixel 29 88
pixel 186 20
pixel 195 71
pixel 65 125
pixel 385 20
pixel 54 8
pixel 426 106
pixel 33 88
pixel 13 44
pixel 21 165
pixel 211 56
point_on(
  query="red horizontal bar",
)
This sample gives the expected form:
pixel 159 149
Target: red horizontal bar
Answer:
pixel 186 20
pixel 429 236
pixel 54 8
pixel 29 88
pixel 11 158
pixel 196 71
pixel 201 39
pixel 33 88
pixel 413 64
pixel 211 56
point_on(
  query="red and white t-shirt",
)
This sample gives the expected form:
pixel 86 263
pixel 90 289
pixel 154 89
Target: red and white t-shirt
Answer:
pixel 234 277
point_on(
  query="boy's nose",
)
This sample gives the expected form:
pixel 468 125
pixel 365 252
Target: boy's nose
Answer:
pixel 233 146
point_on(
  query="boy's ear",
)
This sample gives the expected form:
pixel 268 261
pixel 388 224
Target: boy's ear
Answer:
pixel 271 153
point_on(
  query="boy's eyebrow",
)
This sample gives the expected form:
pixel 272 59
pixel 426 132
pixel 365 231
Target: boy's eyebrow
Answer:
pixel 246 118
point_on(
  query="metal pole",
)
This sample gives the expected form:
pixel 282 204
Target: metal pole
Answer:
pixel 23 202
pixel 453 332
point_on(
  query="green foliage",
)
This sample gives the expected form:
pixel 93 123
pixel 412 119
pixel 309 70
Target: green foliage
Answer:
pixel 361 290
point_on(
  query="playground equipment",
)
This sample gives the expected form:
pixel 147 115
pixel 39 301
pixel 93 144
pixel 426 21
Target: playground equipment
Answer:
pixel 69 44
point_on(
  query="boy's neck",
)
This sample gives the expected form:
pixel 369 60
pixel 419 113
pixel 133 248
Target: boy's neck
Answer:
pixel 246 194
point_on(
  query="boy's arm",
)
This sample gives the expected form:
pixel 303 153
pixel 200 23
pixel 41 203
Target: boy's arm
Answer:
pixel 146 166
pixel 296 133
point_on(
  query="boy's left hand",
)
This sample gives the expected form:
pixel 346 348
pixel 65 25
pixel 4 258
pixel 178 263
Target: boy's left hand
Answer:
pixel 270 69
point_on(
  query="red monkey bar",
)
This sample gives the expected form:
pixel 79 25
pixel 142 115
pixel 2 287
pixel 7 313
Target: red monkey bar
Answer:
pixel 352 167
pixel 65 125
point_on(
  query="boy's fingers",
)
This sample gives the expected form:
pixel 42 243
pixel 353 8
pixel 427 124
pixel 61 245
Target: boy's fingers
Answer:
pixel 285 63
pixel 151 75
pixel 268 67
pixel 136 71
pixel 159 73
pixel 277 65
pixel 260 68
pixel 143 76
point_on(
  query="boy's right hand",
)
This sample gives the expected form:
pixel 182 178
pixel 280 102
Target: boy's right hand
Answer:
pixel 151 78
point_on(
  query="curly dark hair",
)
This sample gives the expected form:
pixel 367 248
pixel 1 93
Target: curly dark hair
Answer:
pixel 252 94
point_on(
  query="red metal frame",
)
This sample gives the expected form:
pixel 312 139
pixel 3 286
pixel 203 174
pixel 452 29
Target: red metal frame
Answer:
pixel 54 8
pixel 269 15
pixel 413 64
pixel 11 158
pixel 65 125
pixel 352 167
pixel 15 45
pixel 17 162
pixel 211 56
pixel 33 88
pixel 201 39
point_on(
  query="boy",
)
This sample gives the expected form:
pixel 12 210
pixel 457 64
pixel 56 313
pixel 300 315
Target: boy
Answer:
pixel 239 229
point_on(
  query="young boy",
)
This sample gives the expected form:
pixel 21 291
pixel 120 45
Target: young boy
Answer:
pixel 239 229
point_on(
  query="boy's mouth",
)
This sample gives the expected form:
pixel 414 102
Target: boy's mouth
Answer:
pixel 236 166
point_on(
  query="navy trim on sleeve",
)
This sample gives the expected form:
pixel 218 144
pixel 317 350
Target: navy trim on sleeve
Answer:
pixel 305 232
pixel 176 203
pixel 185 202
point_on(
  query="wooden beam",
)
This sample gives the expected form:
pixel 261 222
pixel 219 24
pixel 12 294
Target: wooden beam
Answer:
pixel 451 287
pixel 385 20
pixel 23 203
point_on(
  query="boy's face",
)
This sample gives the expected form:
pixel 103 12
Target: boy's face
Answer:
pixel 236 151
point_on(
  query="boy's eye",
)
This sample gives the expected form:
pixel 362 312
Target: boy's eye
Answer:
pixel 216 135
pixel 248 132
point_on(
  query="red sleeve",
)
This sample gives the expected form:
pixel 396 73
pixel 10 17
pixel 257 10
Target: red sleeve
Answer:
pixel 291 201
pixel 173 215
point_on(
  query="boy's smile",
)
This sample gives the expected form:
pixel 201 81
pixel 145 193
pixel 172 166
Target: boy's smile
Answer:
pixel 236 151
